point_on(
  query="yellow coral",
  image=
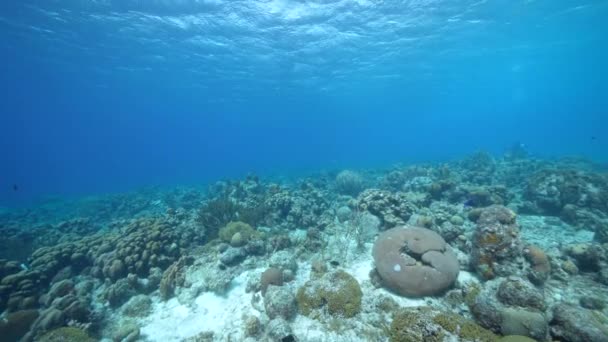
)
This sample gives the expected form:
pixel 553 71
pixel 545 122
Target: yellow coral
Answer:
pixel 538 259
pixel 490 239
pixel 464 328
pixel 247 232
pixel 409 326
pixel 342 296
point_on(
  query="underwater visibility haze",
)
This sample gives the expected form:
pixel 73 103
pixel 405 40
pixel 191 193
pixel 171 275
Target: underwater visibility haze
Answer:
pixel 304 170
pixel 104 96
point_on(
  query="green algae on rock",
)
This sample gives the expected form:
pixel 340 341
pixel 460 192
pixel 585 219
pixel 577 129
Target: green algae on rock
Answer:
pixel 246 232
pixel 516 338
pixel 496 242
pixel 431 325
pixel 338 290
pixel 65 334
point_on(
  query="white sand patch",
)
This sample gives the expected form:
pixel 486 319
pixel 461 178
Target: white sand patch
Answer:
pixel 223 314
pixel 310 330
pixel 465 277
pixel 404 302
pixel 360 270
pixel 298 236
pixel 303 273
pixel 172 321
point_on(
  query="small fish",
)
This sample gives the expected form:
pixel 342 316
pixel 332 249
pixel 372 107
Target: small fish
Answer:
pixel 15 187
pixel 592 138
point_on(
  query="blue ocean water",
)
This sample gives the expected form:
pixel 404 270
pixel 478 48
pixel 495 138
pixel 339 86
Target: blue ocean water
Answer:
pixel 104 96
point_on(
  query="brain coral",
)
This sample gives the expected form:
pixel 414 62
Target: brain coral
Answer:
pixel 415 261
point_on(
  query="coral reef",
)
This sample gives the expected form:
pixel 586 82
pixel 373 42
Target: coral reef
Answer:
pixel 579 197
pixel 337 290
pixel 66 334
pixel 174 276
pixel 279 330
pixel 16 324
pixel 549 191
pixel 349 183
pixel 244 231
pixel 305 207
pixel 326 257
pixel 428 324
pixel 216 213
pixel 496 242
pixel 415 261
pixel 279 301
pixel 272 276
pixel 540 265
pixel 511 306
pixel 577 325
pixel 392 208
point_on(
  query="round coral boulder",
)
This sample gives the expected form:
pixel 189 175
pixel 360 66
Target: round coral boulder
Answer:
pixel 415 261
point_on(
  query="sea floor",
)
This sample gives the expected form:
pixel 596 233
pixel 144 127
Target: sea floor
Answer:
pixel 493 247
pixel 224 315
